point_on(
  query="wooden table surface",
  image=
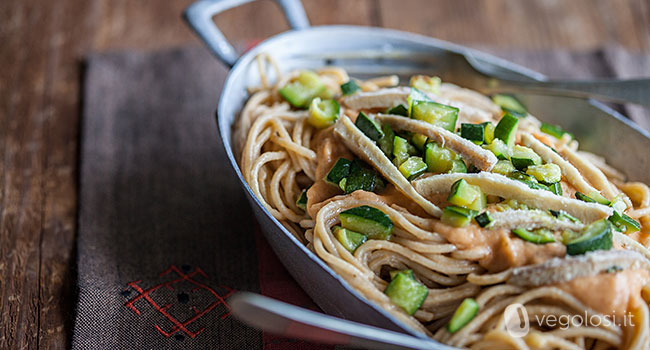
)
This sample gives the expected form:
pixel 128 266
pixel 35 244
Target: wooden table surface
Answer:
pixel 43 43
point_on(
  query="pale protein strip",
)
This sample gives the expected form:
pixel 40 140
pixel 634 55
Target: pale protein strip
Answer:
pixel 591 172
pixel 530 220
pixel 366 149
pixel 570 172
pixel 499 185
pixel 476 155
pixel 558 270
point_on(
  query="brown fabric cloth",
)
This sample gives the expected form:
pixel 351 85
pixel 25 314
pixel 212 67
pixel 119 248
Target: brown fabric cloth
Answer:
pixel 165 233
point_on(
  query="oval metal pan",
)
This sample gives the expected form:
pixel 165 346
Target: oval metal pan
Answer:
pixel 366 52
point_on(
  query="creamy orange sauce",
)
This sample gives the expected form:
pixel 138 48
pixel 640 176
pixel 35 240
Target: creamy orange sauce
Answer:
pixel 611 294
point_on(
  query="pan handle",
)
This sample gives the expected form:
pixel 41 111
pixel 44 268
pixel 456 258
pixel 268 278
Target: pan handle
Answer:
pixel 199 17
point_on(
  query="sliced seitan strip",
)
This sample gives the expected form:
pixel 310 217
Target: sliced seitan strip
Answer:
pixel 383 98
pixel 476 155
pixel 530 220
pixel 558 270
pixel 570 172
pixel 499 185
pixel 590 172
pixel 367 150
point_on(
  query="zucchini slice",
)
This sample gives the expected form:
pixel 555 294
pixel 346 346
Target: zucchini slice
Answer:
pixel 625 223
pixel 361 178
pixel 339 171
pixel 457 216
pixel 540 236
pixel 473 132
pixel 369 127
pixel 583 197
pixel 555 187
pixel 439 159
pixel 546 173
pixel 499 148
pixel 412 168
pixel 349 239
pixel 426 83
pixel 367 220
pixel 522 157
pixel 385 143
pixel 458 166
pixel 483 219
pixel 465 312
pixel 510 104
pixel 323 113
pixel 468 196
pixel 406 292
pixel 301 202
pixel 435 113
pixel 488 132
pixel 596 236
pixel 553 130
pixel 301 91
pixel 402 150
pixel 506 129
pixel 419 141
pixel 350 87
pixel 503 167
pixel 400 109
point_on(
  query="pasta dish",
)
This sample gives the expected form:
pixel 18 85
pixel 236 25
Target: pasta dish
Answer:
pixel 450 209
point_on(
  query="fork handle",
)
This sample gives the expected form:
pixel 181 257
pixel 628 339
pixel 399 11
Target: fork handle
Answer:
pixel 614 90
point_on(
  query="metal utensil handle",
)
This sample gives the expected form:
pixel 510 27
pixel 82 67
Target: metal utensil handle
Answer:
pixel 199 17
pixel 295 322
pixel 615 90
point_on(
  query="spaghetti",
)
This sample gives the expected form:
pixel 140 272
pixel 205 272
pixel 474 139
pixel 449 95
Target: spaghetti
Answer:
pixel 282 154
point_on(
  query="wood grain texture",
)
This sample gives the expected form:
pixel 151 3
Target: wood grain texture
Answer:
pixel 43 43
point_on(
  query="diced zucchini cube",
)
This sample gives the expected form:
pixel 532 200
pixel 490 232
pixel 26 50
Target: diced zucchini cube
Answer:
pixel 301 202
pixel 510 104
pixel 323 113
pixel 499 148
pixel 362 178
pixel 555 187
pixel 546 173
pixel 350 87
pixel 339 171
pixel 419 141
pixel 367 220
pixel 503 167
pixel 301 91
pixel 596 236
pixel 489 132
pixel 456 216
pixel 385 143
pixel 393 273
pixel 413 167
pixel 553 130
pixel 465 312
pixel 426 83
pixel 483 219
pixel 468 196
pixel 349 239
pixel 402 150
pixel 539 236
pixel 473 132
pixel 458 166
pixel 406 292
pixel 435 114
pixel 438 158
pixel 506 129
pixel 522 157
pixel 369 127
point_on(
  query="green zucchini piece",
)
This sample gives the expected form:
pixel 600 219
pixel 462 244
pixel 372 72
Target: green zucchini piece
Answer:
pixel 561 214
pixel 435 114
pixel 584 198
pixel 402 150
pixel 415 95
pixel 546 173
pixel 503 167
pixel 369 127
pixel 367 220
pixel 596 236
pixel 488 132
pixel 398 110
pixel 553 130
pixel 385 143
pixel 625 223
pixel 522 157
pixel 413 167
pixel 362 178
pixel 350 87
pixel 555 187
pixel 349 239
pixel 599 198
pixel 499 148
pixel 339 171
pixel 510 104
pixel 506 129
pixel 301 91
pixel 457 216
pixel 541 236
pixel 426 83
pixel 463 194
pixel 301 202
pixel 406 292
pixel 438 158
pixel 473 132
pixel 393 273
pixel 529 180
pixel 458 166
pixel 483 219
pixel 465 312
pixel 323 113
pixel 419 141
